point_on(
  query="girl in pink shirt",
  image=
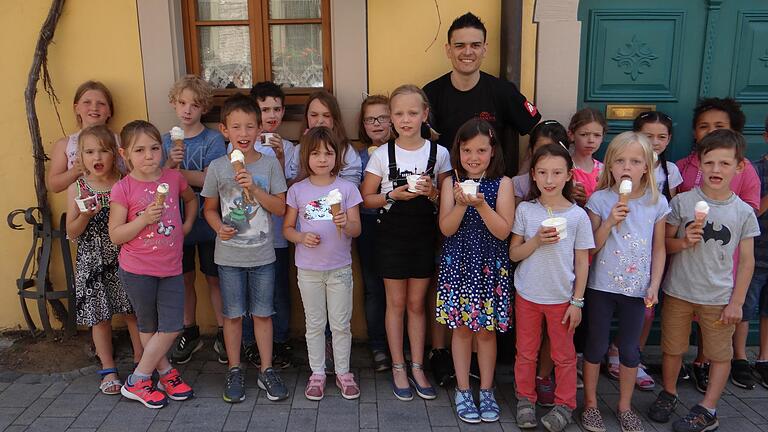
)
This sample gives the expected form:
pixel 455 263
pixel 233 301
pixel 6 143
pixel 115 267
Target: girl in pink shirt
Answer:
pixel 586 131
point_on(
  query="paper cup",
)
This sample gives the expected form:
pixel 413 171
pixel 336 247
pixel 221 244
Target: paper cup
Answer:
pixel 413 179
pixel 560 224
pixel 85 204
pixel 265 137
pixel 469 187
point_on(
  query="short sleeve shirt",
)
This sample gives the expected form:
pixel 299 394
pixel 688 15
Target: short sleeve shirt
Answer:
pixel 674 178
pixel 314 215
pixel 704 274
pixel 252 245
pixel 555 285
pixel 623 264
pixel 157 249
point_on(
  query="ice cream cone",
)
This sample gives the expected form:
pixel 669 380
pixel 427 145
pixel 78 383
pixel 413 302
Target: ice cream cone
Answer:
pixel 161 194
pixel 625 188
pixel 177 137
pixel 334 200
pixel 238 162
pixel 336 209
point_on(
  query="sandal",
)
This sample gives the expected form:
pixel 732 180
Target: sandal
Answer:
pixel 404 393
pixel 489 408
pixel 643 380
pixel 426 392
pixel 613 362
pixel 557 419
pixel 105 386
pixel 526 414
pixel 465 406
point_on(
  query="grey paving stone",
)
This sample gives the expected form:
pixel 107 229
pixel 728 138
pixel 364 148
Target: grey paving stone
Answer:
pixel 4 385
pixel 96 411
pixel 169 411
pixel 87 384
pixel 267 418
pixel 33 411
pixel 19 395
pixel 483 427
pixel 15 428
pixel 50 424
pixel 69 405
pixel 506 427
pixel 737 424
pixel 237 421
pixel 8 415
pixel 441 416
pixel 211 385
pixel 248 403
pixel 336 413
pixel 447 429
pixel 369 416
pixel 128 416
pixel 213 366
pixel 81 430
pixel 398 416
pixel 159 425
pixel 444 397
pixel 200 414
pixel 9 376
pixel 29 379
pixel 55 389
pixel 367 389
pixel 302 420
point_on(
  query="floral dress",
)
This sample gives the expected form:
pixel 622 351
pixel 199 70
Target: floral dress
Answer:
pixel 98 291
pixel 473 284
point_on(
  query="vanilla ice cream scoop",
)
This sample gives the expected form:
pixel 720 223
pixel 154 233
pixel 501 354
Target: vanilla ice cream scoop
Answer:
pixel 163 188
pixel 625 187
pixel 237 156
pixel 701 207
pixel 334 197
pixel 177 133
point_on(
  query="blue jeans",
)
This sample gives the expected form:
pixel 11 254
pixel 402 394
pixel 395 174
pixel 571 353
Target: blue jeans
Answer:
pixel 247 290
pixel 282 303
pixel 756 301
pixel 375 296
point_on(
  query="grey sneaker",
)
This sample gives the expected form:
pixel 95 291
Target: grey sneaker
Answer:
pixel 234 387
pixel 221 350
pixel 184 348
pixel 557 419
pixel 272 384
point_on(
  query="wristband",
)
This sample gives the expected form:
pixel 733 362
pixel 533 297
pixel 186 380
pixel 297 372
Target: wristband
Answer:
pixel 579 303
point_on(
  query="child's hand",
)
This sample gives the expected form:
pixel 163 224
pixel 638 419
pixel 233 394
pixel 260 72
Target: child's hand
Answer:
pixel 226 232
pixel 579 193
pixel 476 200
pixel 693 234
pixel 244 179
pixel 424 186
pixel 731 314
pixel 651 297
pixel 458 195
pixel 547 235
pixel 619 212
pixel 152 214
pixel 340 220
pixel 175 157
pixel 310 239
pixel 572 317
pixel 276 142
pixel 92 210
pixel 401 193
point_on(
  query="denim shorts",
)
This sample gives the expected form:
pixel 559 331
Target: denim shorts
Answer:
pixel 756 301
pixel 158 301
pixel 247 290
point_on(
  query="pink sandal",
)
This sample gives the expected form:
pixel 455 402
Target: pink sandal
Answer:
pixel 613 362
pixel 644 381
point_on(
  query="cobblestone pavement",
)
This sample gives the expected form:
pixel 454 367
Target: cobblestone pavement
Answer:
pixel 72 402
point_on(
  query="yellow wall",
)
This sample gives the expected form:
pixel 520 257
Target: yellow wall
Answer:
pixel 95 39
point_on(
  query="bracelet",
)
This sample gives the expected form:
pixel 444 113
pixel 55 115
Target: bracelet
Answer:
pixel 577 303
pixel 434 199
pixel 578 299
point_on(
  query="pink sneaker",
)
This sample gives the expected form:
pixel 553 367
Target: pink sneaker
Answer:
pixel 346 383
pixel 175 387
pixel 315 387
pixel 144 392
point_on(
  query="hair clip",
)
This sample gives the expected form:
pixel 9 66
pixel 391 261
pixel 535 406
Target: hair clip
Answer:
pixel 365 95
pixel 490 133
pixel 549 122
pixel 563 145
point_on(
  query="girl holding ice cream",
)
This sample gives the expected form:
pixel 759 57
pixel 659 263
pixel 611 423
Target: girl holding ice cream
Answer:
pixel 145 220
pixel 550 232
pixel 322 217
pixel 406 233
pixel 628 217
pixel 476 213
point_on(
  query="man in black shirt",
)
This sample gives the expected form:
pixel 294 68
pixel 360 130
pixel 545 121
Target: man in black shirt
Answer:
pixel 467 92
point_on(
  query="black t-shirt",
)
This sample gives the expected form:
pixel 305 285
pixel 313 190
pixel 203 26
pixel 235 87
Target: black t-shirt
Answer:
pixel 495 100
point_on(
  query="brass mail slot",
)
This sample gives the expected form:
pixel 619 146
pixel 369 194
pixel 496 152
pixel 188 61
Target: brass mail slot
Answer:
pixel 626 112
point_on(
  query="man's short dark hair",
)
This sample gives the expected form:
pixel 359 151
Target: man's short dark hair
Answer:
pixel 240 102
pixel 468 20
pixel 723 139
pixel 265 89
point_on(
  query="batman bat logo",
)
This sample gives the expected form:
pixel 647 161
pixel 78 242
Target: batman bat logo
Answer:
pixel 723 234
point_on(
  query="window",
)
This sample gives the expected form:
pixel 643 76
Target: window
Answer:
pixel 234 44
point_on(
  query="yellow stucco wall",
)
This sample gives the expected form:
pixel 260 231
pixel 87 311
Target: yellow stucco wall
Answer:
pixel 95 39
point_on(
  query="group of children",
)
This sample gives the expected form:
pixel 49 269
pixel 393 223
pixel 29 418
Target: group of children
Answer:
pixel 603 232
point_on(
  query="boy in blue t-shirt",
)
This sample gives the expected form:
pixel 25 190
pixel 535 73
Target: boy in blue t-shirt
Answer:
pixel 191 97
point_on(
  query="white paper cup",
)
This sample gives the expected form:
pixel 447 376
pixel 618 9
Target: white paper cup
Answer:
pixel 85 204
pixel 412 180
pixel 265 137
pixel 559 223
pixel 469 187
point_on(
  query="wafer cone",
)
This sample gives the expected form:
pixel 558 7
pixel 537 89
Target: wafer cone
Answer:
pixel 161 194
pixel 237 166
pixel 336 209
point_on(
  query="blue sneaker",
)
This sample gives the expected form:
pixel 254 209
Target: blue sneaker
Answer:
pixel 465 406
pixel 489 408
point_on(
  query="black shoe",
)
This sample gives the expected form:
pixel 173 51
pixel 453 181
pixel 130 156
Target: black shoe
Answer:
pixel 741 374
pixel 663 407
pixel 381 361
pixel 684 375
pixel 273 385
pixel 187 344
pixel 701 376
pixel 234 387
pixel 441 363
pixel 220 348
pixel 762 370
pixel 251 353
pixel 281 356
pixel 698 420
pixel 474 367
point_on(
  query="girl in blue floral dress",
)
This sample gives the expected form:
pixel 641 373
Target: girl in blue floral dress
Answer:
pixel 473 285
